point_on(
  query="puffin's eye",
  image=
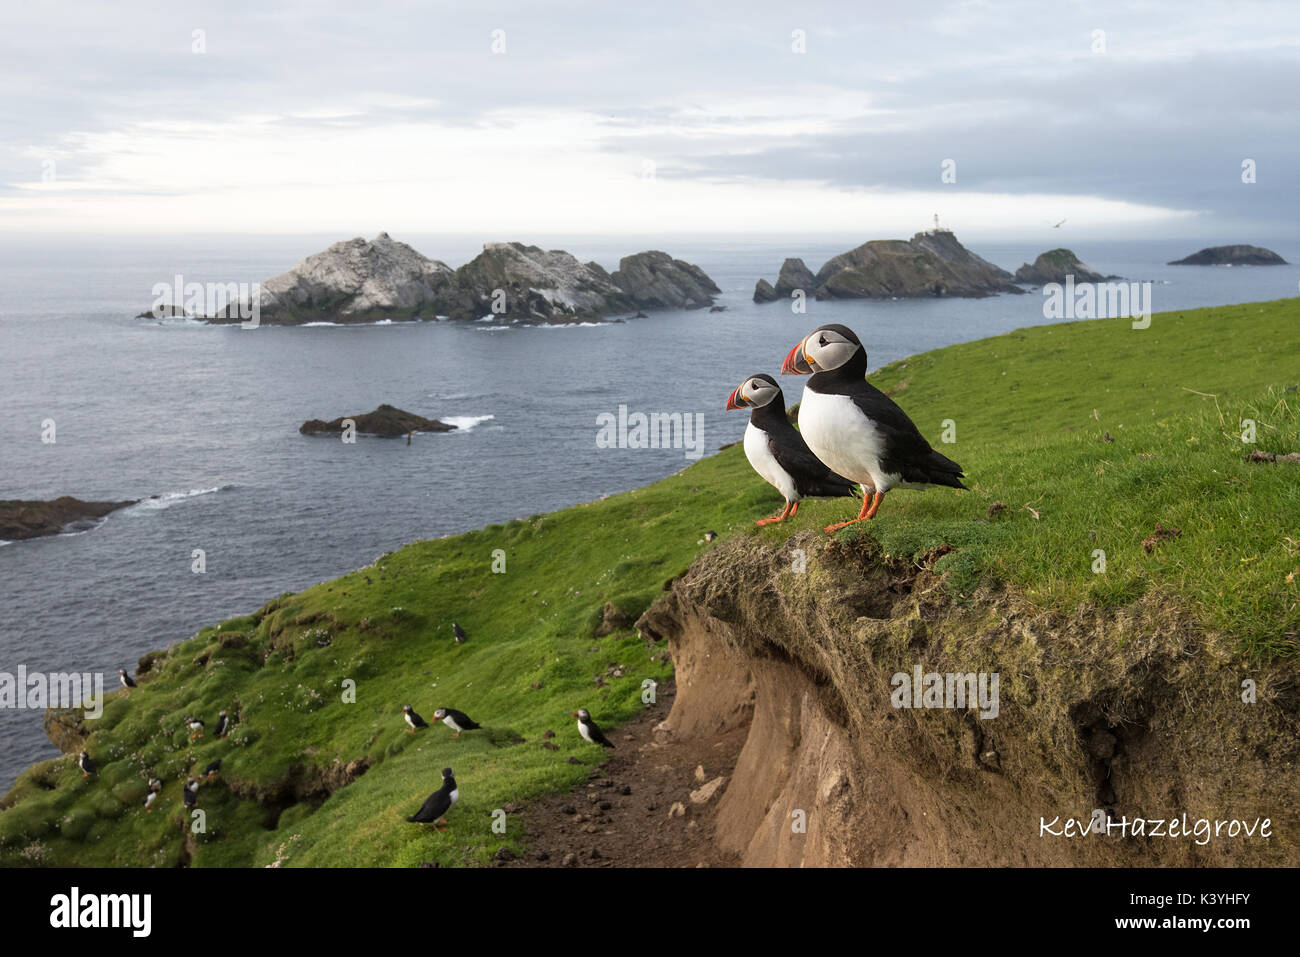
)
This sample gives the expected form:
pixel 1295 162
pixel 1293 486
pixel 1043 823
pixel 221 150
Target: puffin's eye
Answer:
pixel 821 341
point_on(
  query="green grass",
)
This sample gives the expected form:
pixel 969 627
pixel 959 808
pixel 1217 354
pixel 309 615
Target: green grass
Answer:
pixel 1030 410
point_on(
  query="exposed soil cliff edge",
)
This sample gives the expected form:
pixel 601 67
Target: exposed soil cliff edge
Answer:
pixel 1135 711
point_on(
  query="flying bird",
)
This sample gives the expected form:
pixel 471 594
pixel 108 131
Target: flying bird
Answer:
pixel 458 721
pixel 126 679
pixel 87 764
pixel 1057 225
pixel 855 428
pixel 588 729
pixel 778 452
pixel 438 803
pixel 459 633
pixel 413 719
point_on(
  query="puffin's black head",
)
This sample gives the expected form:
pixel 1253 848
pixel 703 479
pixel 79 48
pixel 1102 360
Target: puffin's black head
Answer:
pixel 405 708
pixel 755 392
pixel 446 773
pixel 440 713
pixel 121 671
pixel 825 348
pixel 582 714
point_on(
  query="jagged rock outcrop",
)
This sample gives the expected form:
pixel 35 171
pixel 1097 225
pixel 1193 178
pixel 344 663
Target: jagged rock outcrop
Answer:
pixel 353 281
pixel 929 264
pixel 1085 719
pixel 386 422
pixel 794 275
pixel 1241 255
pixel 654 280
pixel 32 519
pixel 358 281
pixel 1054 266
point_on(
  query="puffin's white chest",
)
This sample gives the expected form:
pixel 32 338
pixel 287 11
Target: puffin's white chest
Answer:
pixel 586 735
pixel 450 722
pixel 410 720
pixel 759 453
pixel 843 438
pixel 454 795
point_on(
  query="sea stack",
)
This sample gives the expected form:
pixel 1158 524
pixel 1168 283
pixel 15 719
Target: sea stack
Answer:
pixel 1232 256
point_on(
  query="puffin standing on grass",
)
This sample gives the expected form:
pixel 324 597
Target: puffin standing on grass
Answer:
pixel 413 719
pixel 155 789
pixel 223 725
pixel 438 803
pixel 190 793
pixel 195 726
pixel 588 729
pixel 127 681
pixel 778 452
pixel 855 428
pixel 458 721
pixel 87 764
pixel 458 633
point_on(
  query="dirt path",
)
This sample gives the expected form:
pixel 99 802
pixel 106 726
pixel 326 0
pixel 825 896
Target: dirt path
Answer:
pixel 636 809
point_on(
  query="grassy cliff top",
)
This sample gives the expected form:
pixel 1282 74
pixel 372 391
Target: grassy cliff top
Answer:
pixel 1088 433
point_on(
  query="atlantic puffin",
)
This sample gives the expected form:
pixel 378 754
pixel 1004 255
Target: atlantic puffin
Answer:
pixel 211 770
pixel 126 679
pixel 190 793
pixel 413 719
pixel 778 452
pixel 438 803
pixel 588 729
pixel 458 721
pixel 855 428
pixel 458 633
pixel 223 725
pixel 87 764
pixel 155 788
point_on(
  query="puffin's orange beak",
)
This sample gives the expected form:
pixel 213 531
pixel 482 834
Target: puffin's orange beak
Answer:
pixel 796 363
pixel 735 400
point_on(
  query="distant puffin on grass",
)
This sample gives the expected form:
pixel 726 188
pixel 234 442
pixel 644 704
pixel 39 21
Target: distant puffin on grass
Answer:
pixel 458 633
pixel 126 680
pixel 195 726
pixel 855 428
pixel 413 719
pixel 458 721
pixel 190 793
pixel 438 803
pixel 778 452
pixel 211 770
pixel 155 788
pixel 223 725
pixel 588 729
pixel 87 764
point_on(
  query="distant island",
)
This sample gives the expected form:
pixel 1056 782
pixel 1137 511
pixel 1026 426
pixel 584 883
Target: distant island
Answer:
pixel 359 281
pixel 21 520
pixel 931 263
pixel 1054 266
pixel 1232 256
pixel 386 421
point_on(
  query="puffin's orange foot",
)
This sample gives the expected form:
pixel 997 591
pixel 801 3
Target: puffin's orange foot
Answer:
pixel 785 512
pixel 870 505
pixel 455 734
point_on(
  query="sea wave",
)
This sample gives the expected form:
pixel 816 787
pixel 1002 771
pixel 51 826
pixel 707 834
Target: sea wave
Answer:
pixel 465 423
pixel 167 499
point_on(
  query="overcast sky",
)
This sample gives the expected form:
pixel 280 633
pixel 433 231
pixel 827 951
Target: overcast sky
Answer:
pixel 354 117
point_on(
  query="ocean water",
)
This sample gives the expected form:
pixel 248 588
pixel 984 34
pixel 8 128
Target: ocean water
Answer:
pixel 206 419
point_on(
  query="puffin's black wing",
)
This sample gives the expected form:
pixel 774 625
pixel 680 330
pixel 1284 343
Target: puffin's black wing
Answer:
pixel 438 804
pixel 906 451
pixel 811 476
pixel 417 720
pixel 598 736
pixel 459 632
pixel 128 680
pixel 461 718
pixel 88 765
